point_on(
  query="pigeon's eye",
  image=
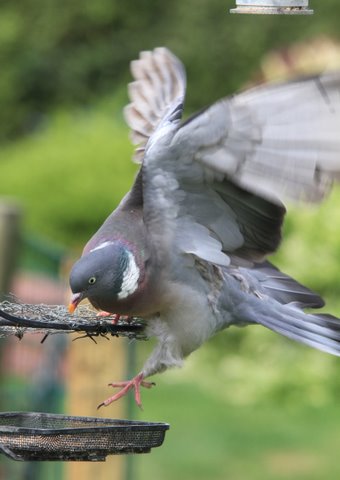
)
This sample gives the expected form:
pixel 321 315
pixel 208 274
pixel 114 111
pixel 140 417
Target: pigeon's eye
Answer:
pixel 92 280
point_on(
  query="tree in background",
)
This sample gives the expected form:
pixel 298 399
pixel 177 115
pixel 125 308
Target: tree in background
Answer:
pixel 58 52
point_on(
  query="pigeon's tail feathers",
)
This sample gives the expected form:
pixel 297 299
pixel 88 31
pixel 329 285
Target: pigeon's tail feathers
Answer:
pixel 157 92
pixel 320 331
pixel 284 288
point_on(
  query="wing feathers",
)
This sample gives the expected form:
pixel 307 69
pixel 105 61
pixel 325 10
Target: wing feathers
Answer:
pixel 278 141
pixel 284 288
pixel 158 89
pixel 234 163
pixel 317 331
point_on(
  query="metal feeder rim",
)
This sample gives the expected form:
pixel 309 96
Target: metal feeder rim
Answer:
pixel 284 7
pixel 272 10
pixel 118 424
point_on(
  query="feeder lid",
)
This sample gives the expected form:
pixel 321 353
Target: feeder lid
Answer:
pixel 273 7
pixel 44 436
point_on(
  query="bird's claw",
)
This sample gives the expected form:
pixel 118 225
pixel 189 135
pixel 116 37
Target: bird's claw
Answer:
pixel 135 384
pixel 115 316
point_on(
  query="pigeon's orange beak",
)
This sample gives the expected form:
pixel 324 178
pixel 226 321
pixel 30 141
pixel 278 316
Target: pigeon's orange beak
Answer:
pixel 75 300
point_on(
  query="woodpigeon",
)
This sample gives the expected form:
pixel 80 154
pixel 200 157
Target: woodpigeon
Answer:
pixel 187 247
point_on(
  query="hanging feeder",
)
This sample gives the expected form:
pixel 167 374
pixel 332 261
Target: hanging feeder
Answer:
pixel 28 436
pixel 273 7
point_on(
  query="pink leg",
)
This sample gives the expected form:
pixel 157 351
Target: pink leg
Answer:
pixel 135 384
pixel 115 316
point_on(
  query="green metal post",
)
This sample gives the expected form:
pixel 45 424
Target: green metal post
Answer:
pixel 10 216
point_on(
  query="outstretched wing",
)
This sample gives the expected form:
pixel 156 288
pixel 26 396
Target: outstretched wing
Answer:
pixel 214 186
pixel 280 142
pixel 159 85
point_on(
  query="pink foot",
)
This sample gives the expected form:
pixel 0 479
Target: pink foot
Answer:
pixel 135 384
pixel 115 316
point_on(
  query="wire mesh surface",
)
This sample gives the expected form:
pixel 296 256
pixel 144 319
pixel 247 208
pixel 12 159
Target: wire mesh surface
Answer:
pixel 44 436
pixel 19 318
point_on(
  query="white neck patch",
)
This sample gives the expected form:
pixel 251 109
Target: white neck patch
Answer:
pixel 130 278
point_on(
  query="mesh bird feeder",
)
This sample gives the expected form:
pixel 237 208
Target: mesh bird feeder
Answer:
pixel 28 436
pixel 273 7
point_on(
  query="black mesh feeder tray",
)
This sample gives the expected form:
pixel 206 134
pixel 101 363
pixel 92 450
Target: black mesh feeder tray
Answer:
pixel 43 436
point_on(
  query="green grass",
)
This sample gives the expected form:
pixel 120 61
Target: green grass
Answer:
pixel 210 439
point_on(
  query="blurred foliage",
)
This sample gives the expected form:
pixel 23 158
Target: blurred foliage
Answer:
pixel 211 439
pixel 70 174
pixel 56 52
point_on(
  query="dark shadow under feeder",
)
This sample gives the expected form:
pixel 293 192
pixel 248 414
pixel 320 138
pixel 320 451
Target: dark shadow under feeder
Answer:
pixel 26 436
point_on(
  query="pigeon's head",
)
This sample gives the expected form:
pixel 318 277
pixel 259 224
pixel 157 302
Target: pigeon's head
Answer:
pixel 107 275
